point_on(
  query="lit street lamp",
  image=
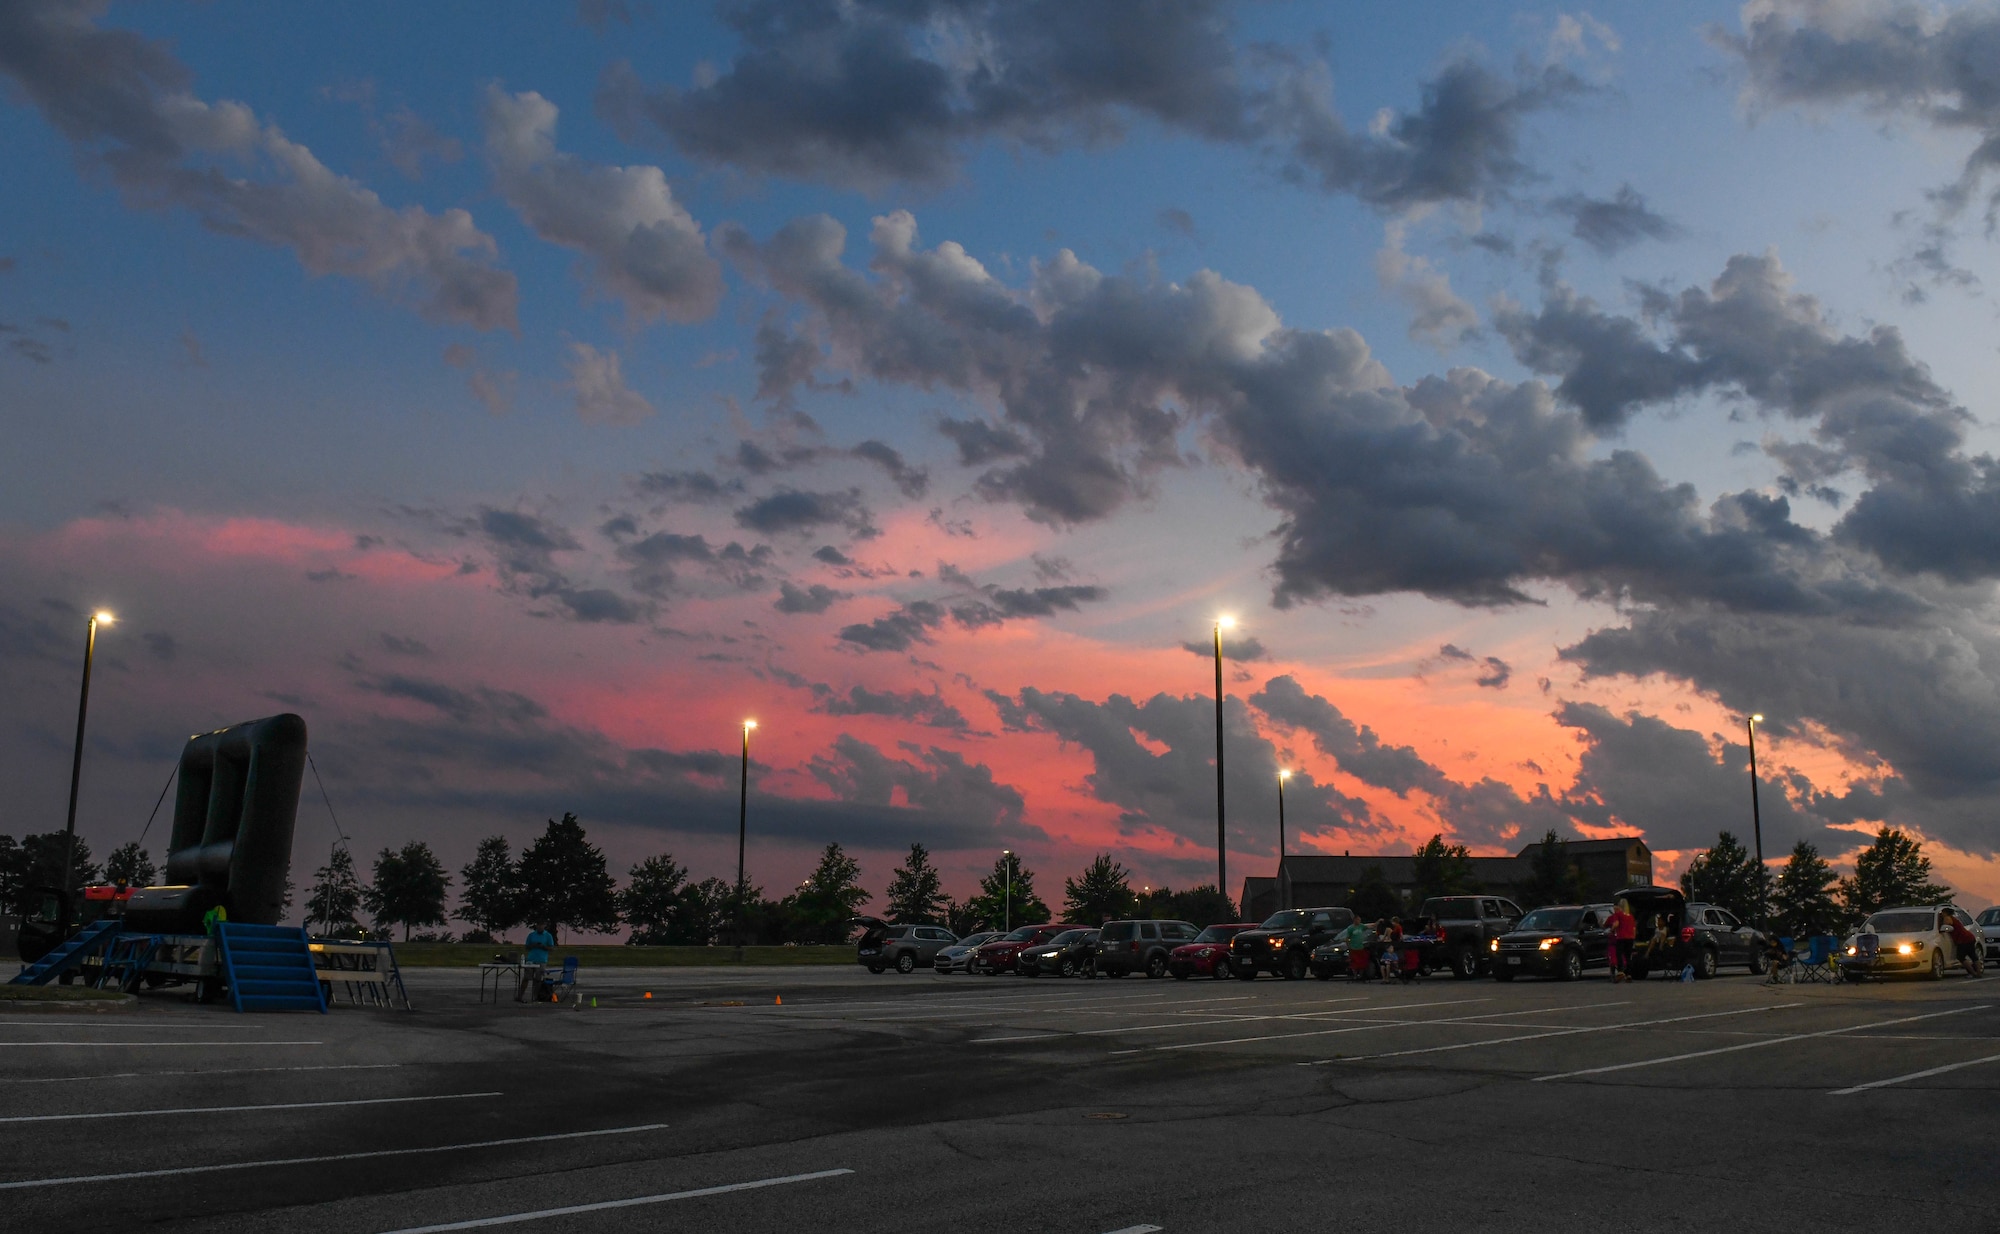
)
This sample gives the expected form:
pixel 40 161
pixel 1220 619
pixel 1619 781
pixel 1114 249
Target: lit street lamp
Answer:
pixel 1221 845
pixel 742 830
pixel 1284 885
pixel 76 762
pixel 1756 816
pixel 1007 913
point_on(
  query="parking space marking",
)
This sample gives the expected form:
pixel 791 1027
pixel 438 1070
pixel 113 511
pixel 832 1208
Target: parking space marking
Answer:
pixel 147 1075
pixel 1321 1032
pixel 178 1171
pixel 1558 1032
pixel 1914 1075
pixel 634 1202
pixel 150 1045
pixel 1216 1017
pixel 1140 1229
pixel 1755 1045
pixel 126 1025
pixel 236 1109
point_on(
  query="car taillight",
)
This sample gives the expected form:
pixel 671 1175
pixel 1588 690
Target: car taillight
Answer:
pixel 1687 934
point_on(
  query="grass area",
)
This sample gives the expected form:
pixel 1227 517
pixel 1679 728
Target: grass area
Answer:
pixel 59 994
pixel 599 955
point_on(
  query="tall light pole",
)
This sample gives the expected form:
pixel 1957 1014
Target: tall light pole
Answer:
pixel 1007 912
pixel 76 761
pixel 1756 815
pixel 742 831
pixel 1221 843
pixel 1284 884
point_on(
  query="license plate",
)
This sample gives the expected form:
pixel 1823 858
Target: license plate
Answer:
pixel 1513 959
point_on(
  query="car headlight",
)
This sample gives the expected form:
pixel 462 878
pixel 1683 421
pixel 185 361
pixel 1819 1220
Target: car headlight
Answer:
pixel 1852 950
pixel 1547 943
pixel 1906 948
pixel 1494 945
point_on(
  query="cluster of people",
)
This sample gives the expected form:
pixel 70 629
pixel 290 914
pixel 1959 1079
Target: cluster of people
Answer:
pixel 1380 951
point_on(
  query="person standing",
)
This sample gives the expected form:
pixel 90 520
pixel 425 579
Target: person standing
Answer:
pixel 1624 930
pixel 540 939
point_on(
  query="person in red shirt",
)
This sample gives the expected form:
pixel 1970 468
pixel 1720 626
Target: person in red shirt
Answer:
pixel 1623 928
pixel 1963 940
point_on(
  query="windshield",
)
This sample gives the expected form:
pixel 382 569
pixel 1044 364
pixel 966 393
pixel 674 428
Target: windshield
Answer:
pixel 1551 919
pixel 1990 917
pixel 1453 909
pixel 1290 919
pixel 1906 921
pixel 1219 933
pixel 1067 937
pixel 1021 935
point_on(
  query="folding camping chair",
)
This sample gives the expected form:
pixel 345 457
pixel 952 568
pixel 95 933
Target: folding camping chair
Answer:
pixel 1817 964
pixel 552 983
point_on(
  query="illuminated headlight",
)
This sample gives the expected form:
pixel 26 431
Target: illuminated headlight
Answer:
pixel 1494 945
pixel 1853 950
pixel 1906 948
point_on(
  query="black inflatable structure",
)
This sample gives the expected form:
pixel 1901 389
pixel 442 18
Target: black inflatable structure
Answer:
pixel 234 813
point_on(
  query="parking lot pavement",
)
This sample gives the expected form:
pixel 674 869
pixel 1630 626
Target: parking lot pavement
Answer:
pixel 832 1099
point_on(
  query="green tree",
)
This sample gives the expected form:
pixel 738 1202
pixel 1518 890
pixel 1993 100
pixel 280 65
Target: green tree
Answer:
pixel 916 891
pixel 658 904
pixel 336 894
pixel 1728 876
pixel 1103 893
pixel 43 858
pixel 13 874
pixel 1203 905
pixel 408 888
pixel 1008 882
pixel 1373 897
pixel 829 898
pixel 1890 873
pixel 1440 869
pixel 1552 877
pixel 490 895
pixel 1802 901
pixel 129 864
pixel 564 882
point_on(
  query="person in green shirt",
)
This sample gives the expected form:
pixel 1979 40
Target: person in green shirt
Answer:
pixel 540 939
pixel 1356 938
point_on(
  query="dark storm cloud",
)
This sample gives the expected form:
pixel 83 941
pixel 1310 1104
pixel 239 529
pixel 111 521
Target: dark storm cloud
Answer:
pixel 897 631
pixel 1173 792
pixel 1891 57
pixel 814 599
pixel 930 710
pixel 525 547
pixel 651 562
pixel 1494 673
pixel 914 482
pixel 124 101
pixel 692 487
pixel 980 443
pixel 871 93
pixel 1240 648
pixel 1613 223
pixel 1005 603
pixel 795 510
pixel 832 556
pixel 939 783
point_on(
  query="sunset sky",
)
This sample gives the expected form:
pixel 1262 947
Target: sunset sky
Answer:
pixel 527 394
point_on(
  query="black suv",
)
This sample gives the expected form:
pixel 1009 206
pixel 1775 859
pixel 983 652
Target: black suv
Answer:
pixel 1559 941
pixel 1284 943
pixel 1666 939
pixel 1140 946
pixel 1731 941
pixel 1468 925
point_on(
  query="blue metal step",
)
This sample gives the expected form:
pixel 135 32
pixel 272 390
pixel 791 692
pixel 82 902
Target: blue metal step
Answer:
pixel 73 951
pixel 269 968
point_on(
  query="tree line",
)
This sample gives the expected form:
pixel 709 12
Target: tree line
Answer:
pixel 1805 897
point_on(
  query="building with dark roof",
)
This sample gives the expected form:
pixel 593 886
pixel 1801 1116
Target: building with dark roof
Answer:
pixel 1313 881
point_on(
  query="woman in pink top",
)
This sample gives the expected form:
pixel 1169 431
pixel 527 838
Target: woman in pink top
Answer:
pixel 1624 928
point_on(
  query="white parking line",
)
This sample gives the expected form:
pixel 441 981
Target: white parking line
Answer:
pixel 1323 1032
pixel 1914 1075
pixel 1140 1229
pixel 151 1045
pixel 148 1075
pixel 1559 1032
pixel 178 1171
pixel 1754 1045
pixel 636 1201
pixel 236 1109
pixel 125 1025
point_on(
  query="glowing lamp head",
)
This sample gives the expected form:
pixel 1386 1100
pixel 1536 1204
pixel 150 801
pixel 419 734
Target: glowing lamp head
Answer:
pixel 1225 622
pixel 103 618
pixel 748 725
pixel 1756 719
pixel 1284 773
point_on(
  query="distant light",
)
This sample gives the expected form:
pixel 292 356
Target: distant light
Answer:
pixel 748 725
pixel 1284 773
pixel 1756 719
pixel 103 618
pixel 1225 623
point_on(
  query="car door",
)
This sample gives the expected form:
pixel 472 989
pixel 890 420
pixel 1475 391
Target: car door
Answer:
pixel 1591 934
pixel 1493 921
pixel 1735 937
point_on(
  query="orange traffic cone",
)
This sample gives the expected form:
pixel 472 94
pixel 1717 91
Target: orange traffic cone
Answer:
pixel 780 1002
pixel 649 994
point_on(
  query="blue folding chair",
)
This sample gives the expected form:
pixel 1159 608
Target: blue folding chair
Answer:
pixel 1817 964
pixel 554 982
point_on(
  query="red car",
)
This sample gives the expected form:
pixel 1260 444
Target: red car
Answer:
pixel 1208 954
pixel 997 956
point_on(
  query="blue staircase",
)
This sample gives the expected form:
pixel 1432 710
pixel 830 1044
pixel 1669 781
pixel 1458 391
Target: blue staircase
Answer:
pixel 127 960
pixel 74 950
pixel 269 968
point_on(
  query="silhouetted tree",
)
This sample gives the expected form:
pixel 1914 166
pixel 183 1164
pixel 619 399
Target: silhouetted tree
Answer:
pixel 662 908
pixel 408 889
pixel 42 858
pixel 564 881
pixel 1373 897
pixel 1440 869
pixel 1103 893
pixel 822 906
pixel 336 894
pixel 1728 875
pixel 1890 873
pixel 1802 901
pixel 491 888
pixel 1203 905
pixel 1552 877
pixel 988 909
pixel 916 892
pixel 129 864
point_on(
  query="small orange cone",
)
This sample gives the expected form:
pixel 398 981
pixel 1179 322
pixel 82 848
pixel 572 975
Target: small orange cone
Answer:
pixel 649 994
pixel 780 1002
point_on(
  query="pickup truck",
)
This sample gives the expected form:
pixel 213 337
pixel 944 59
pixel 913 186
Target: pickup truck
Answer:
pixel 1284 943
pixel 1469 924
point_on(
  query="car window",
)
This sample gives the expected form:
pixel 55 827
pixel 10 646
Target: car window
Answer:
pixel 1990 917
pixel 1117 931
pixel 1322 921
pixel 1905 921
pixel 1509 909
pixel 1180 930
pixel 1342 918
pixel 1452 908
pixel 1590 919
pixel 1491 908
pixel 1148 930
pixel 1729 921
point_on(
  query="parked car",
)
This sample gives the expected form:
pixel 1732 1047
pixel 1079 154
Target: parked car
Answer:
pixel 1140 946
pixel 1895 941
pixel 1284 943
pixel 1732 941
pixel 1468 925
pixel 957 958
pixel 1069 954
pixel 902 947
pixel 1680 947
pixel 1989 932
pixel 996 957
pixel 1208 954
pixel 1560 941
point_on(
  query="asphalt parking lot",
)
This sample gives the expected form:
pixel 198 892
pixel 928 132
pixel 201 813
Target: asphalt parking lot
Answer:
pixel 877 1103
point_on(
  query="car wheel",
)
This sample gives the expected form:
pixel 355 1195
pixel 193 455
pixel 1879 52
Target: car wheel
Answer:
pixel 1704 964
pixel 906 963
pixel 1222 969
pixel 1069 968
pixel 1572 967
pixel 1295 968
pixel 1156 967
pixel 878 968
pixel 1937 965
pixel 1465 963
pixel 1758 963
pixel 1501 974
